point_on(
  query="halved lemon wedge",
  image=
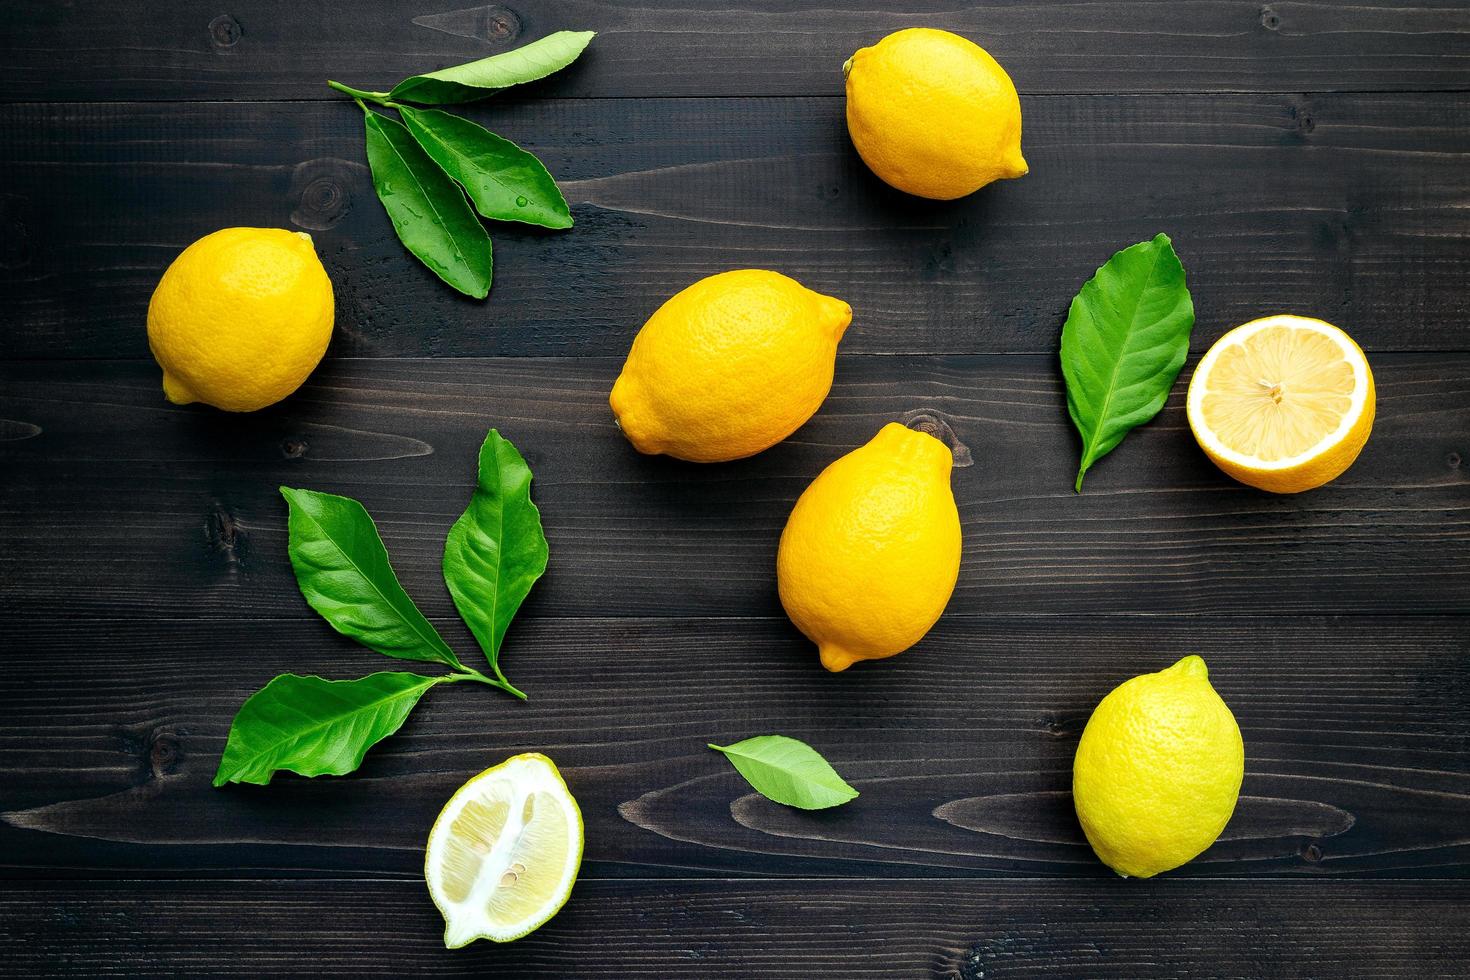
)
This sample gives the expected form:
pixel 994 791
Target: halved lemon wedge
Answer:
pixel 1284 403
pixel 504 852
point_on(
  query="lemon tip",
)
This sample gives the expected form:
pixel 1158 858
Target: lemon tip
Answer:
pixel 834 658
pixel 1192 666
pixel 174 390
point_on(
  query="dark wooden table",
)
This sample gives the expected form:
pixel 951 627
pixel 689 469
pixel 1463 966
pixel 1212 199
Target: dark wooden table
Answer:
pixel 1311 157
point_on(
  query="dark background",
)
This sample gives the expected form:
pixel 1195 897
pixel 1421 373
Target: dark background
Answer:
pixel 1308 157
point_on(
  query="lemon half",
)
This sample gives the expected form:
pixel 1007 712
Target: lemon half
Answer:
pixel 1284 403
pixel 504 853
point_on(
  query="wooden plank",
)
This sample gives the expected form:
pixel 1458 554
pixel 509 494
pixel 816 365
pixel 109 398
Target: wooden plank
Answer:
pixel 1346 207
pixel 123 505
pixel 1356 732
pixel 960 930
pixel 275 49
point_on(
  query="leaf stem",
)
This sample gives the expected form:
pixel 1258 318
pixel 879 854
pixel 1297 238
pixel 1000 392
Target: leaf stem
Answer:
pixel 381 98
pixel 471 674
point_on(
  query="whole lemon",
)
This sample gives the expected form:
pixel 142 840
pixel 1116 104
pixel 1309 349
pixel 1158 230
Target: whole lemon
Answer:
pixel 933 114
pixel 240 318
pixel 729 366
pixel 1158 770
pixel 871 552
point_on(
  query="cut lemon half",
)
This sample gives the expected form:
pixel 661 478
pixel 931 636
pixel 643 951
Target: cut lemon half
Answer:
pixel 1284 403
pixel 504 852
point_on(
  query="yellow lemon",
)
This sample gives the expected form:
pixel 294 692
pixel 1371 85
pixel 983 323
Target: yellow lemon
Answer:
pixel 1284 403
pixel 1158 770
pixel 933 114
pixel 871 552
pixel 729 366
pixel 505 851
pixel 240 318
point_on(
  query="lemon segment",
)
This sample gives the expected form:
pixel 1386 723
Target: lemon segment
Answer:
pixel 504 852
pixel 1284 403
pixel 1158 770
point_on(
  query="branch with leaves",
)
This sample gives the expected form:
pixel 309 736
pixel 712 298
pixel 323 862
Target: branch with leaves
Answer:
pixel 493 556
pixel 425 165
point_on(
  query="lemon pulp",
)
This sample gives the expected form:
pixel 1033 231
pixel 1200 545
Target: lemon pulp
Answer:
pixel 1278 393
pixel 504 852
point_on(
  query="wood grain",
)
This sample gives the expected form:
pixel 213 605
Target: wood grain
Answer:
pixel 127 506
pixel 1356 731
pixel 1346 207
pixel 274 48
pixel 1304 156
pixel 957 930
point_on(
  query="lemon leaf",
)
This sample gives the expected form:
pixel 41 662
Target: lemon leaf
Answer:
pixel 788 771
pixel 1125 339
pixel 482 78
pixel 496 550
pixel 503 180
pixel 428 210
pixel 316 727
pixel 343 571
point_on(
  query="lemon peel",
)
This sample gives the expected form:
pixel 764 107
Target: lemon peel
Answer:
pixel 933 114
pixel 871 552
pixel 1158 770
pixel 241 318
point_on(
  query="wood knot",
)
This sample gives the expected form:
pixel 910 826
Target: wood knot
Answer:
pixel 319 190
pixel 934 424
pixel 225 32
pixel 502 24
pixel 1452 460
pixel 494 23
pixel 1312 853
pixel 164 753
pixel 224 534
pixel 975 962
pixel 1062 726
pixel 1270 19
pixel 293 448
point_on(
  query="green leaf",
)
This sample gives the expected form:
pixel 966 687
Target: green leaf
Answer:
pixel 496 550
pixel 503 180
pixel 316 727
pixel 478 79
pixel 343 570
pixel 788 771
pixel 1124 341
pixel 428 210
